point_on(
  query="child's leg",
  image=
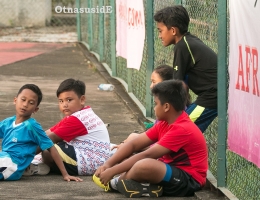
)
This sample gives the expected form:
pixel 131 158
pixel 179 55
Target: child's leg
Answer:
pixel 175 182
pixel 46 158
pixel 138 182
pixel 178 183
pixel 201 116
pixel 131 136
pixel 142 170
pixel 68 156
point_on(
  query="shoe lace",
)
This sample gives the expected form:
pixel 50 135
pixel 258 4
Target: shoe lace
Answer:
pixel 106 187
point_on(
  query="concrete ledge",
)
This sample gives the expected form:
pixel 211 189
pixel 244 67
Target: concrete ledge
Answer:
pixel 212 180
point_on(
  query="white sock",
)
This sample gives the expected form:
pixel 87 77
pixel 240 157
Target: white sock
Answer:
pixel 113 182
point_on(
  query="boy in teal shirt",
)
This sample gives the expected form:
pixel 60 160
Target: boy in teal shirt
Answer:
pixel 22 135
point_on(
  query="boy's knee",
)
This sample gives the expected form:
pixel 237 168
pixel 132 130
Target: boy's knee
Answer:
pixel 133 135
pixel 141 165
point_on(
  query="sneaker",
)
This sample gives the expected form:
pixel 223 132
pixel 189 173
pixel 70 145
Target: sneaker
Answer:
pixel 98 182
pixel 133 189
pixel 37 169
pixel 37 159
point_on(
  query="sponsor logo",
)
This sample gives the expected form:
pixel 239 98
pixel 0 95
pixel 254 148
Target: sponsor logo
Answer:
pixel 90 114
pixel 92 127
pixel 92 120
pixel 84 118
pixel 99 123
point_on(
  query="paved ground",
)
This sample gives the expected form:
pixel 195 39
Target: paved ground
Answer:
pixel 17 51
pixel 40 34
pixel 47 70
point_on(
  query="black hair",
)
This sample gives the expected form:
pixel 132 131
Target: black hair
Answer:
pixel 165 72
pixel 71 84
pixel 33 88
pixel 172 92
pixel 174 16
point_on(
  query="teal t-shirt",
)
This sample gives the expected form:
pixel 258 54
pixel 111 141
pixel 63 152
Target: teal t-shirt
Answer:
pixel 20 141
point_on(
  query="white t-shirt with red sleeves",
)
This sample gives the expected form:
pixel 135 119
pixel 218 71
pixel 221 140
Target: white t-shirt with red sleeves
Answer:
pixel 187 144
pixel 87 133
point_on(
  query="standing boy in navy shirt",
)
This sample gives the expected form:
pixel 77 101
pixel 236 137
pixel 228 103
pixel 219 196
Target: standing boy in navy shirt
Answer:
pixel 193 62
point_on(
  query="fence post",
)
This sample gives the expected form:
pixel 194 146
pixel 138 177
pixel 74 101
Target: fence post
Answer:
pixel 222 92
pixel 129 79
pixel 113 38
pixel 178 2
pixel 78 21
pixel 90 25
pixel 150 55
pixel 101 31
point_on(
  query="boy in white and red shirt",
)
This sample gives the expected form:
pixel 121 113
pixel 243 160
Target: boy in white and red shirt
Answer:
pixel 81 137
pixel 177 163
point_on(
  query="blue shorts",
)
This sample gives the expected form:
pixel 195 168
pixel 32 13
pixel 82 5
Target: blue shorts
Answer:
pixel 201 116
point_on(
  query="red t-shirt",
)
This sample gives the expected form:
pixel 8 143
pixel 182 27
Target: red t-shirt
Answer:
pixel 87 133
pixel 187 144
pixel 69 128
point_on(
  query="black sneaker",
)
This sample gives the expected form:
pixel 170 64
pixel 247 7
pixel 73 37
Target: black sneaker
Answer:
pixel 133 189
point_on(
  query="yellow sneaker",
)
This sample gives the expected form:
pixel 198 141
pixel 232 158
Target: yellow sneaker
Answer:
pixel 98 182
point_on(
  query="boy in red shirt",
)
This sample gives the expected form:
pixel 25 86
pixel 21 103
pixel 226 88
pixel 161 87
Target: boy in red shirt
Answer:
pixel 177 163
pixel 81 137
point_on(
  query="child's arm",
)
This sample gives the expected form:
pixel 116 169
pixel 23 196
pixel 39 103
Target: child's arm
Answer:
pixel 156 151
pixel 54 137
pixel 134 145
pixel 57 159
pixel 130 137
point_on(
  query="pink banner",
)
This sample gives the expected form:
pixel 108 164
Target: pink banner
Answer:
pixel 244 86
pixel 130 31
pixel 121 28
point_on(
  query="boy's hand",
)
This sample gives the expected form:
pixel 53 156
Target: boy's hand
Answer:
pixel 72 178
pixel 116 146
pixel 100 170
pixel 106 176
pixel 56 157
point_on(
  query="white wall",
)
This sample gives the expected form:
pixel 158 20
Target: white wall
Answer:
pixel 25 13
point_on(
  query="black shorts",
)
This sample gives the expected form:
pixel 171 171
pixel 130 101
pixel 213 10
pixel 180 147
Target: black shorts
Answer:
pixel 68 157
pixel 180 184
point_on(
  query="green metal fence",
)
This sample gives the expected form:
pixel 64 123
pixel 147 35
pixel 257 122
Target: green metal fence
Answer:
pixel 208 20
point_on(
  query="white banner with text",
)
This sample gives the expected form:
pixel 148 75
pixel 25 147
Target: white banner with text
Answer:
pixel 244 94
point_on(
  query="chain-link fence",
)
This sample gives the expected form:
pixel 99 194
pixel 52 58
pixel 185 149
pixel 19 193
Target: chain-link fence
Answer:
pixel 242 177
pixel 41 20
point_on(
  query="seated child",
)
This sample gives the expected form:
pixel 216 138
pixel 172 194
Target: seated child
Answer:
pixel 177 159
pixel 160 73
pixel 22 135
pixel 81 137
